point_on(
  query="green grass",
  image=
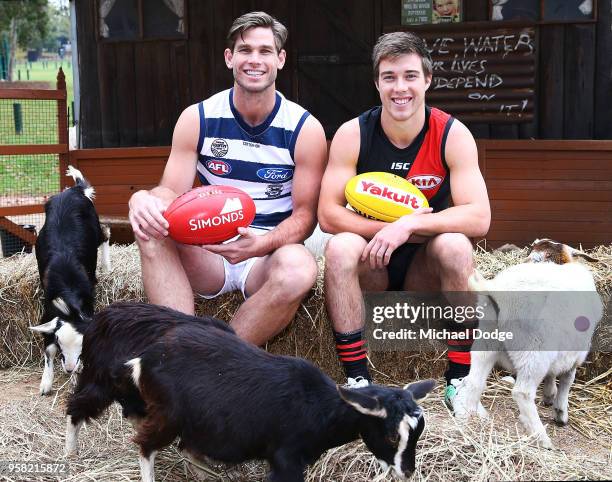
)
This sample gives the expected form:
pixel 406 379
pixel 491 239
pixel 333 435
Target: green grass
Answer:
pixel 47 72
pixel 32 175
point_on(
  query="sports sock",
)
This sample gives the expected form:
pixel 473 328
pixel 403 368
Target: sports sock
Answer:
pixel 456 370
pixel 352 352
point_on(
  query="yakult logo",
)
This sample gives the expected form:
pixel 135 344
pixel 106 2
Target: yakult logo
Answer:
pixel 231 212
pixel 389 194
pixel 425 181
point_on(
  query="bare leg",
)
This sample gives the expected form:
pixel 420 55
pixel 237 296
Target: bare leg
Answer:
pixel 278 284
pixel 164 277
pixel 561 401
pixel 46 383
pixel 524 393
pixel 549 390
pixel 345 277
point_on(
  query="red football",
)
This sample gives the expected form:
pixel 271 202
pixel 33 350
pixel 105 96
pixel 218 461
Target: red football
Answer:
pixel 209 214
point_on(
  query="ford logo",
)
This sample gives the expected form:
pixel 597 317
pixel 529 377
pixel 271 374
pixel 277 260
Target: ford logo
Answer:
pixel 275 174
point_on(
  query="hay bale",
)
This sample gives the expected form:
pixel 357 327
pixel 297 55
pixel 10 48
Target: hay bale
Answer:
pixel 309 336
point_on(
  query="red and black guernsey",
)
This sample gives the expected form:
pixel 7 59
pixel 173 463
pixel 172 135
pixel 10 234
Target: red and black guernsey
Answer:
pixel 422 162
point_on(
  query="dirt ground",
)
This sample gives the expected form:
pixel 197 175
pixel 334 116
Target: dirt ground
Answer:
pixel 19 390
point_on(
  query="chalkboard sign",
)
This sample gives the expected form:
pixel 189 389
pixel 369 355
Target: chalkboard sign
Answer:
pixel 481 74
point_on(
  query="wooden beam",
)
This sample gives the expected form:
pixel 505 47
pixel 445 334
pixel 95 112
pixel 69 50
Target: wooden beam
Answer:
pixel 22 209
pixel 33 149
pixel 17 230
pixel 37 94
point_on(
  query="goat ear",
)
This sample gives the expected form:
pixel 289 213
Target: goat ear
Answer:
pixel 580 254
pixel 61 305
pixel 46 328
pixel 363 403
pixel 421 389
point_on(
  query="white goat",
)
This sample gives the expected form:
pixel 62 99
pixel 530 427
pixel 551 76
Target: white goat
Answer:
pixel 543 324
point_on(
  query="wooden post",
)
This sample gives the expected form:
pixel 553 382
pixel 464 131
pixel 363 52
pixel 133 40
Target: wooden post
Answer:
pixel 62 127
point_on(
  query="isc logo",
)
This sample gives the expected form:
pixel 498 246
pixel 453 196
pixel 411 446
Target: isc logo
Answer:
pixel 219 168
pixel 401 166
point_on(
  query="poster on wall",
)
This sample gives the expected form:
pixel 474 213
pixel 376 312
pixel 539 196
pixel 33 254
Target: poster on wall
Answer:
pixel 416 12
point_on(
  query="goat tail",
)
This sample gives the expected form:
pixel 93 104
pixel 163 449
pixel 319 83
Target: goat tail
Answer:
pixel 477 282
pixel 80 181
pixel 136 368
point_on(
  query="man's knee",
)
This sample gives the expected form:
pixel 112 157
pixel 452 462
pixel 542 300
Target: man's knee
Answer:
pixel 153 248
pixel 452 251
pixel 293 270
pixel 343 252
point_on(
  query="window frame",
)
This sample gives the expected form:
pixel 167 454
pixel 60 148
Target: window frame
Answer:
pixel 183 37
pixel 542 3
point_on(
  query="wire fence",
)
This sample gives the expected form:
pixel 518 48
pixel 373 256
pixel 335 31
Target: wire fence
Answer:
pixel 30 160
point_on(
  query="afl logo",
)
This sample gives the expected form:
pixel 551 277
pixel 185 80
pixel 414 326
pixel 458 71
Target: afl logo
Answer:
pixel 218 168
pixel 426 181
pixel 275 174
pixel 219 147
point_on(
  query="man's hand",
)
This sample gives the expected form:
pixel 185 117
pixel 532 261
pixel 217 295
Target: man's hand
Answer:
pixel 248 245
pixel 388 239
pixel 146 216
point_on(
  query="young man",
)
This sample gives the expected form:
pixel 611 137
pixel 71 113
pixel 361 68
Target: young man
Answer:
pixel 428 250
pixel 253 130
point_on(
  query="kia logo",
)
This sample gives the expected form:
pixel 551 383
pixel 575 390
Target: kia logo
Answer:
pixel 275 174
pixel 218 168
pixel 425 181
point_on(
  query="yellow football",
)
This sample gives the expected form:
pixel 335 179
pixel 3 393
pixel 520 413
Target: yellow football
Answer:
pixel 383 196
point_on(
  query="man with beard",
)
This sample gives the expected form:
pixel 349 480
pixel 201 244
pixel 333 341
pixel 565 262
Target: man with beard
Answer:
pixel 253 138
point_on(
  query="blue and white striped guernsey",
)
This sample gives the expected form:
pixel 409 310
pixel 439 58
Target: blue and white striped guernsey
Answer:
pixel 259 160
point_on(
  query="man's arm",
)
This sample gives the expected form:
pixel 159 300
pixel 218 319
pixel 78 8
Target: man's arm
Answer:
pixel 310 157
pixel 334 216
pixel 470 214
pixel 147 207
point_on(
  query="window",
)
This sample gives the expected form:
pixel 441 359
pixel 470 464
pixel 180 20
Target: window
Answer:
pixel 543 10
pixel 141 19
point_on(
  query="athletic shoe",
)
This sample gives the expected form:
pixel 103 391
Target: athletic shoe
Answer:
pixel 357 382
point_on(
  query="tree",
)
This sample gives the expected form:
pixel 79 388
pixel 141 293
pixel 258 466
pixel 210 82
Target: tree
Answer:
pixel 24 22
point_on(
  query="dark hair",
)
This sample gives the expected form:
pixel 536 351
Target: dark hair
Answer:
pixel 253 20
pixel 392 45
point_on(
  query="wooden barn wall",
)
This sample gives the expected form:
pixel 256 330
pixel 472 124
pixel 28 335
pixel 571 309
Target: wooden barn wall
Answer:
pixel 133 92
pixel 574 84
pixel 542 188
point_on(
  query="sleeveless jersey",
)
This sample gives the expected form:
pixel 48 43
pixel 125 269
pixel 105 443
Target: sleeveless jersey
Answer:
pixel 259 160
pixel 422 162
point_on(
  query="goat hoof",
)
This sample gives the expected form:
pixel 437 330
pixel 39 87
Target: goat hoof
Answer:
pixel 45 390
pixel 547 444
pixel 561 417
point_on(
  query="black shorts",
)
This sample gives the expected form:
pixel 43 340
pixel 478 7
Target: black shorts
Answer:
pixel 399 263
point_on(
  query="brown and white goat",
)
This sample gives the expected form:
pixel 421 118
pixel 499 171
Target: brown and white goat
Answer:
pixel 192 378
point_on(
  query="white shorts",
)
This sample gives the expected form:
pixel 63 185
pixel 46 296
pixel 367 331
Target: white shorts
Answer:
pixel 235 277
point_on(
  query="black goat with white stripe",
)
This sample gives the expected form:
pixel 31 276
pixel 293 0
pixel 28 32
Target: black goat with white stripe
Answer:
pixel 67 255
pixel 194 379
